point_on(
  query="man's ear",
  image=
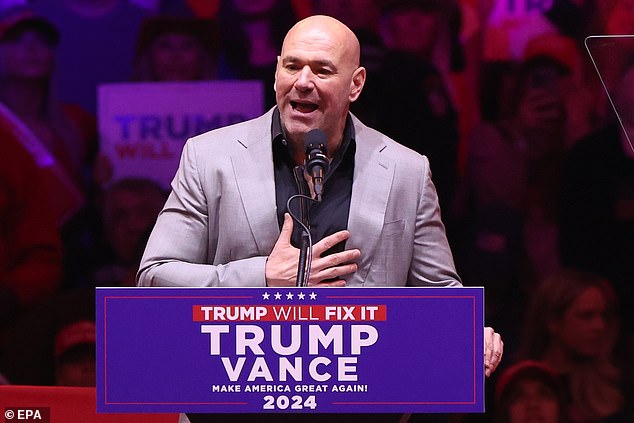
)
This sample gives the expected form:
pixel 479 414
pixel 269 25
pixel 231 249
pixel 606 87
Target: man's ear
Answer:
pixel 357 82
pixel 277 66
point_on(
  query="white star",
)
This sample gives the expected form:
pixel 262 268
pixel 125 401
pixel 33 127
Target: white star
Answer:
pixel 278 296
pixel 301 296
pixel 265 296
pixel 313 295
pixel 289 296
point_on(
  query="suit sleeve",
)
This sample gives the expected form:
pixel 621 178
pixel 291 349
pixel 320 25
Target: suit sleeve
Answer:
pixel 183 241
pixel 432 262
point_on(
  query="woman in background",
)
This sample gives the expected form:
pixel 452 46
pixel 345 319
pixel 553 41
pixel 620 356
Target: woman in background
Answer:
pixel 572 327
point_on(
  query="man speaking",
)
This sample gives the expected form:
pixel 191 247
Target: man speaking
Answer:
pixel 378 222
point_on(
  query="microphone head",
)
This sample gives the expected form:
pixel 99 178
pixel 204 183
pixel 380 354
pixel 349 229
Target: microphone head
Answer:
pixel 315 144
pixel 315 138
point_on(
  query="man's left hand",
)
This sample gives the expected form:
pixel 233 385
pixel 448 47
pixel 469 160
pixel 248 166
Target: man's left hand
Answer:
pixel 493 350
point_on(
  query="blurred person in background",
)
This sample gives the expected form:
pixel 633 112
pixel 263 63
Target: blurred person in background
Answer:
pixel 252 32
pixel 27 64
pixel 527 392
pixel 509 193
pixel 171 48
pixel 504 32
pixel 572 326
pixel 129 209
pixel 416 107
pixel 74 352
pixel 60 137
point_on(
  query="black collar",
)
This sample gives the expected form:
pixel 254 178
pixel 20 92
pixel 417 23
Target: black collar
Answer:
pixel 280 144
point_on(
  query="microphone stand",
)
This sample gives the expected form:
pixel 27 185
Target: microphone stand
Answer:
pixel 316 164
pixel 302 269
pixel 304 246
pixel 301 264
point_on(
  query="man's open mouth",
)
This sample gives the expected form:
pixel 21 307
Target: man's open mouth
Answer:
pixel 303 107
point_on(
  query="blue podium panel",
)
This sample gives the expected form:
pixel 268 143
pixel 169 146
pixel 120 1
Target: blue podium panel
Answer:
pixel 296 350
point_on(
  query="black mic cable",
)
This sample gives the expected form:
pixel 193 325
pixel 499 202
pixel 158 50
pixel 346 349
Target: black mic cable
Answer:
pixel 305 255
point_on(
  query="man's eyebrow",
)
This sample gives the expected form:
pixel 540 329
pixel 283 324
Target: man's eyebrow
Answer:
pixel 322 62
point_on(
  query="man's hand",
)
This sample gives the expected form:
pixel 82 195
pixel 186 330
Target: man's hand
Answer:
pixel 281 265
pixel 493 350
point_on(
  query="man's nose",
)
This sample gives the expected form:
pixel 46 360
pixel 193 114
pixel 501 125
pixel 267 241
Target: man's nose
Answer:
pixel 304 80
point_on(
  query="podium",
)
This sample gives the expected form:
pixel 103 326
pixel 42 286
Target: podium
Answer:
pixel 290 350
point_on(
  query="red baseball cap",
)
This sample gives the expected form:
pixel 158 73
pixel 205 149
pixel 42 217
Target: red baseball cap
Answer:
pixel 526 369
pixel 556 47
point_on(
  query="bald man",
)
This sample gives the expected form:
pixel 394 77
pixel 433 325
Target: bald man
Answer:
pixel 226 222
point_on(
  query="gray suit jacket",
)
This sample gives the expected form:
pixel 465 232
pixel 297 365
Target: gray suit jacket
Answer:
pixel 219 223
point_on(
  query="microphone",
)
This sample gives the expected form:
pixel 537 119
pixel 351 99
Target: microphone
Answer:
pixel 316 161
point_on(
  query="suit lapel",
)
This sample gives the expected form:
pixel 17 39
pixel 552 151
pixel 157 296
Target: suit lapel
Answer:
pixel 372 181
pixel 253 169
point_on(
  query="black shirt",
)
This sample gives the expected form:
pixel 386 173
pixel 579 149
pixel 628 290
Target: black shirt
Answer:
pixel 331 214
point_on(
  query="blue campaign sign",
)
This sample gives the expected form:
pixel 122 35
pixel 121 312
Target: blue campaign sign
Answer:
pixel 299 350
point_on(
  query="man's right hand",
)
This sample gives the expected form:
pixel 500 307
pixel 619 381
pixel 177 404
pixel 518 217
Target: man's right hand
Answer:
pixel 281 265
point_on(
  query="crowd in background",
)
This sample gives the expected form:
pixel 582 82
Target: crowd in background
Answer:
pixel 534 170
